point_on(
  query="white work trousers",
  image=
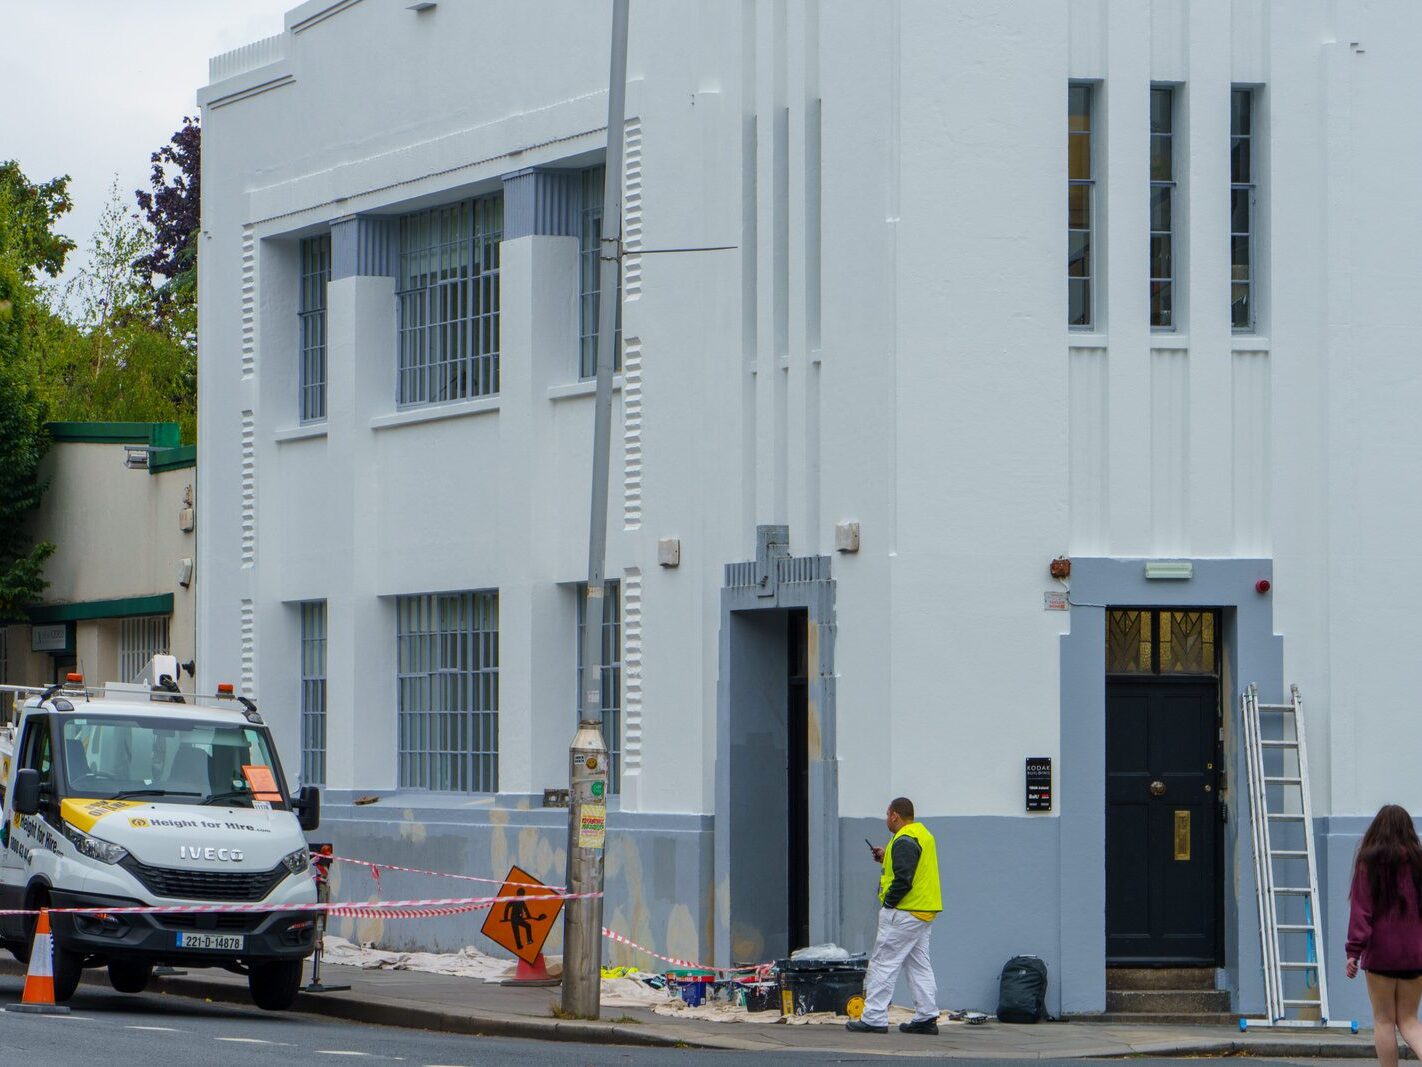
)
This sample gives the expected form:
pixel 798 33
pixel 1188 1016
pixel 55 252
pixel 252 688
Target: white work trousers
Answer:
pixel 902 942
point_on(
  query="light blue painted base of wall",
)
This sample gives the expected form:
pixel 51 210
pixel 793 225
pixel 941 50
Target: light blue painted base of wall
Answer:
pixel 1336 841
pixel 1002 886
pixel 658 870
pixel 1001 898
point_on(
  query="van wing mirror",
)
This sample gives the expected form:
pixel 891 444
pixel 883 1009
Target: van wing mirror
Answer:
pixel 308 807
pixel 26 800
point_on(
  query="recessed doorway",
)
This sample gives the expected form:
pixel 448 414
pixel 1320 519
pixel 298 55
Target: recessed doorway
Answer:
pixel 1164 869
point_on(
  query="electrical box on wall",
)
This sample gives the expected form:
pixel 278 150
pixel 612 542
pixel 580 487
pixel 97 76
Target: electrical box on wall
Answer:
pixel 185 571
pixel 846 537
pixel 185 520
pixel 669 552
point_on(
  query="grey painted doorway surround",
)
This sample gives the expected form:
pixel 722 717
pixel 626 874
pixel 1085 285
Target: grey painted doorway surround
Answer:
pixel 775 581
pixel 1252 653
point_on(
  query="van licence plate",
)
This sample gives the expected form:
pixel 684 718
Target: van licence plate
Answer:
pixel 220 942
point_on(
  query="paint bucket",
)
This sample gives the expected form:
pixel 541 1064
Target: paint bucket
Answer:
pixel 690 985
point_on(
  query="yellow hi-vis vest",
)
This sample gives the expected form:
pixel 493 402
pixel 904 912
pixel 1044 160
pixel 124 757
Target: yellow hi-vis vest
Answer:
pixel 924 894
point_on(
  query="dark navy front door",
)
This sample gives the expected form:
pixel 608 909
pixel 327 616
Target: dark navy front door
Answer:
pixel 1162 821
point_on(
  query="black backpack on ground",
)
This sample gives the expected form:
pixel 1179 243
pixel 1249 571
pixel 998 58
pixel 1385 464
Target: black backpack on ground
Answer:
pixel 1022 991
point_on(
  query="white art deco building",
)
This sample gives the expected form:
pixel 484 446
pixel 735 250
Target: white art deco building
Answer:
pixel 980 285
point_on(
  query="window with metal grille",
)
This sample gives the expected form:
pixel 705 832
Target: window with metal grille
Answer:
pixel 311 314
pixel 590 276
pixel 1081 208
pixel 140 639
pixel 313 692
pixel 611 676
pixel 1242 196
pixel 447 653
pixel 449 302
pixel 1162 208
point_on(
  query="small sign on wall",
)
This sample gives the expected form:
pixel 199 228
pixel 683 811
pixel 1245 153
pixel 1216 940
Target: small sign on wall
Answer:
pixel 1055 601
pixel 1039 783
pixel 51 637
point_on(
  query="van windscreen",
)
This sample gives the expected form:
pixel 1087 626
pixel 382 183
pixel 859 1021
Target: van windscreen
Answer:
pixel 178 760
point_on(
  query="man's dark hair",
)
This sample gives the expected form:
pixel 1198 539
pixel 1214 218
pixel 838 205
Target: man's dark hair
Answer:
pixel 902 807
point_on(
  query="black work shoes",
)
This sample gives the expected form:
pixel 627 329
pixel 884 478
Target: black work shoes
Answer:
pixel 919 1026
pixel 857 1026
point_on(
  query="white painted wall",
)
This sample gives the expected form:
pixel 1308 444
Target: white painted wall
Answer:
pixel 885 343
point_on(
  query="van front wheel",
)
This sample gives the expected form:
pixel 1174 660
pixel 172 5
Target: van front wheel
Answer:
pixel 128 976
pixel 274 985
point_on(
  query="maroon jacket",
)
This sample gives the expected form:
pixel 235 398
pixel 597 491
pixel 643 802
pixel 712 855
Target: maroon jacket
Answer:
pixel 1391 942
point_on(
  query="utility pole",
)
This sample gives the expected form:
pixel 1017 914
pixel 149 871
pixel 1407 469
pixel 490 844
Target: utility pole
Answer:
pixel 587 757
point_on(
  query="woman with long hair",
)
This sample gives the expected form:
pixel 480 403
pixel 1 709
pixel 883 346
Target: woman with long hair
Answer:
pixel 1385 928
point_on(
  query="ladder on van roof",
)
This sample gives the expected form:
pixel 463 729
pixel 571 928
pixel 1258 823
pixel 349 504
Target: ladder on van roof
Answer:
pixel 1285 865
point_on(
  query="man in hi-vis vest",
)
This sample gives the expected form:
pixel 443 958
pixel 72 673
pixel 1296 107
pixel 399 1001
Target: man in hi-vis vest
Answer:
pixel 910 900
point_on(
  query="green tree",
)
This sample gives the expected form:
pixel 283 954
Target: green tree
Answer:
pixel 28 244
pixel 119 353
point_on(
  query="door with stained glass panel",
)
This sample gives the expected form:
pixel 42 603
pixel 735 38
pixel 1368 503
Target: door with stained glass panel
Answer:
pixel 1163 865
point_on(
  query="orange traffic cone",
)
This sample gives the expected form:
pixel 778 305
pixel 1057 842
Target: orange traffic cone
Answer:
pixel 535 973
pixel 39 979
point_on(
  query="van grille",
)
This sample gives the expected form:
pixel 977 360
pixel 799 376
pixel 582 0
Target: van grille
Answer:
pixel 205 885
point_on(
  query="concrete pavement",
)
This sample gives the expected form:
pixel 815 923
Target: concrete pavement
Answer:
pixel 465 1006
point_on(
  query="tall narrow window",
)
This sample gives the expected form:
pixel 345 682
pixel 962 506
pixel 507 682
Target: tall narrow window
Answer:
pixel 313 693
pixel 311 313
pixel 611 676
pixel 1241 209
pixel 449 302
pixel 447 656
pixel 140 639
pixel 1162 208
pixel 590 276
pixel 1081 195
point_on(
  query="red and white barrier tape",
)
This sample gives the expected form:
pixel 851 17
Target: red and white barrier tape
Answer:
pixel 348 909
pixel 376 868
pixel 758 969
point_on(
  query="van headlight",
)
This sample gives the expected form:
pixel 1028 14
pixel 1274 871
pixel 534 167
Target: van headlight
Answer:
pixel 297 861
pixel 93 847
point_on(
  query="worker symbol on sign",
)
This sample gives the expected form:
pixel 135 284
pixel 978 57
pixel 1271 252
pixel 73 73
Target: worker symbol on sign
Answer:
pixel 516 915
pixel 524 916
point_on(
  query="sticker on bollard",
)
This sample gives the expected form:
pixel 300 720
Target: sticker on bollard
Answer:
pixel 521 924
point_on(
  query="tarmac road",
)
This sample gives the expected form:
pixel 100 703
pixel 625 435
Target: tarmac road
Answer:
pixel 156 1030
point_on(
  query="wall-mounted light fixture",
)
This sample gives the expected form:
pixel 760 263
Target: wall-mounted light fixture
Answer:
pixel 1176 570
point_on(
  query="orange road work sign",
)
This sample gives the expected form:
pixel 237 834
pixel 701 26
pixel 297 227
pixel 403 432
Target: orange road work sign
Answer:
pixel 522 923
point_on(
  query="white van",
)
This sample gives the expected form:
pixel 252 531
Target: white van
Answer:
pixel 127 797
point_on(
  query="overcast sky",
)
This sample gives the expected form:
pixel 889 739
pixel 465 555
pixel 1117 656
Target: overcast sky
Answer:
pixel 91 88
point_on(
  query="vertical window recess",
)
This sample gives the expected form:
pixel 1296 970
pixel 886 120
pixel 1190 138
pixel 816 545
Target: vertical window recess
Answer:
pixel 313 693
pixel 311 315
pixel 590 276
pixel 611 676
pixel 1081 208
pixel 1162 208
pixel 1243 193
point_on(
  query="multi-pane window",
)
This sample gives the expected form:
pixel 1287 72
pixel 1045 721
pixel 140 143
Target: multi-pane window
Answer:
pixel 1081 194
pixel 590 275
pixel 313 692
pixel 611 675
pixel 449 302
pixel 311 314
pixel 1241 208
pixel 447 653
pixel 1162 208
pixel 140 639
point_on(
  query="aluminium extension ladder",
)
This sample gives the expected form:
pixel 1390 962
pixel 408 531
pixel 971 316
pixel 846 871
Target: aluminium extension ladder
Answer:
pixel 1285 865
